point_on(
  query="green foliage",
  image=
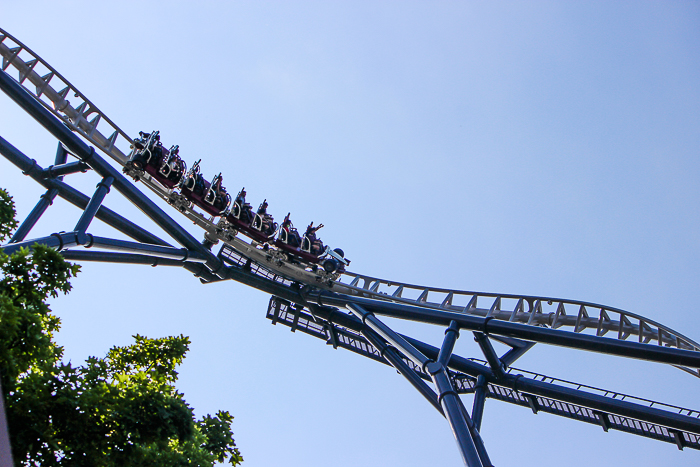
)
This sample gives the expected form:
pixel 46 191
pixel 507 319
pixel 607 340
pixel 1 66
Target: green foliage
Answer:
pixel 123 409
pixel 7 215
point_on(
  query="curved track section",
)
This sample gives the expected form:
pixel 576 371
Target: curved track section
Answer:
pixel 578 316
pixel 42 81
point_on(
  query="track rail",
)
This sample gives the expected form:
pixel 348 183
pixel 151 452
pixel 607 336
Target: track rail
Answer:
pixel 55 93
pixel 576 315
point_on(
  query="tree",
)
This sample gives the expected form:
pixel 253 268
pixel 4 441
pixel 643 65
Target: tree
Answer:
pixel 123 409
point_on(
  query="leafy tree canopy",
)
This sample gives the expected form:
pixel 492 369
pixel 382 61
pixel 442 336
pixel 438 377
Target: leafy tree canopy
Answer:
pixel 122 409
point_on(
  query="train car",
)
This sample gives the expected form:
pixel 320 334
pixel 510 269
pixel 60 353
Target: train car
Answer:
pixel 309 249
pixel 166 167
pixel 259 225
pixel 150 156
pixel 211 197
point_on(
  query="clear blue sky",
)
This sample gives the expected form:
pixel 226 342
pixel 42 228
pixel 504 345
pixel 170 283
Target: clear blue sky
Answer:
pixel 538 148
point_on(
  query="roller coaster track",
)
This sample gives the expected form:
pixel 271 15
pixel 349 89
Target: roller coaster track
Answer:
pixel 312 301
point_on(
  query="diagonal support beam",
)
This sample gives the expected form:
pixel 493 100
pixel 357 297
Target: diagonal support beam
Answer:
pixel 94 204
pixel 61 156
pixel 394 358
pixel 476 435
pixel 565 394
pixel 66 240
pixel 56 171
pixel 457 417
pixel 438 371
pixel 490 354
pixel 58 241
pixel 45 201
pixel 390 336
pixel 519 348
pixel 448 344
pixel 165 252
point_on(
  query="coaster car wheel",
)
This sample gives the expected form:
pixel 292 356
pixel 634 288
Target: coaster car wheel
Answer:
pixel 330 265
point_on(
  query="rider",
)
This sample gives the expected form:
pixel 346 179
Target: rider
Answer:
pixel 267 219
pixel 316 243
pixel 245 207
pixel 287 222
pixel 240 199
pixel 148 150
pixel 171 166
pixel 292 234
pixel 218 191
pixel 198 186
pixel 262 210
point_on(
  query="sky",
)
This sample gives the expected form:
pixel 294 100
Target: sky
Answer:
pixel 539 148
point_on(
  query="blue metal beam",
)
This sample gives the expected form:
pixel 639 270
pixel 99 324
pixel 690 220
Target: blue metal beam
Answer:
pixel 67 240
pixel 392 356
pixel 479 401
pixel 490 354
pixel 448 344
pixel 450 402
pixel 120 258
pixel 487 326
pixel 554 391
pixel 94 204
pixel 45 201
pixel 56 171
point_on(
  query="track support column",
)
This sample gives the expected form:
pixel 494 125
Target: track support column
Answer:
pixel 450 402
pixel 449 397
pixel 479 401
pixel 467 436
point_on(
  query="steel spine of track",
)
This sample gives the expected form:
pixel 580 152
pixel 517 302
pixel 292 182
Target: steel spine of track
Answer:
pixel 533 310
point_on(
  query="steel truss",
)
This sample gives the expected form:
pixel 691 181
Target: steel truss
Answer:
pixel 346 312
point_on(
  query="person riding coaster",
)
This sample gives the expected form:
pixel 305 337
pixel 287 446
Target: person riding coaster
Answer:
pixel 242 210
pixel 194 182
pixel 263 221
pixel 217 195
pixel 173 167
pixel 211 197
pixel 146 147
pixel 311 243
pixel 149 155
pixel 288 234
